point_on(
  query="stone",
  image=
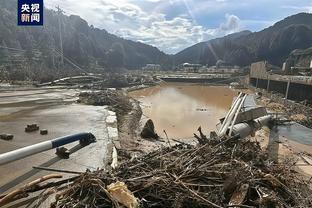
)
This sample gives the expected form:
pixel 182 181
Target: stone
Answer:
pixel 149 130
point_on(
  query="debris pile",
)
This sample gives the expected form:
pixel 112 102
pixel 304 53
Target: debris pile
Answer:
pixel 31 127
pixel 298 112
pixel 6 136
pixel 226 173
pixel 276 107
pixel 110 97
pixel 298 117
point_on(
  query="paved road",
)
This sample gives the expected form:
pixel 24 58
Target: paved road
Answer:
pixel 56 111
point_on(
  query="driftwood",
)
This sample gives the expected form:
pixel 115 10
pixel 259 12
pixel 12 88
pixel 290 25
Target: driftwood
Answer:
pixel 202 139
pixel 229 173
pixel 219 173
pixel 21 192
pixel 56 170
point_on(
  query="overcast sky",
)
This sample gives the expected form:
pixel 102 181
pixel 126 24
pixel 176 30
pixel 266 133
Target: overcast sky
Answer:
pixel 172 25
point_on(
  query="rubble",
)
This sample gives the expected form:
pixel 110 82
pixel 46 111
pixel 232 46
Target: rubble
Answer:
pixel 31 128
pixel 217 172
pixel 210 175
pixel 298 117
pixel 110 97
pixel 276 107
pixel 6 136
pixel 295 111
pixel 43 131
pixel 223 172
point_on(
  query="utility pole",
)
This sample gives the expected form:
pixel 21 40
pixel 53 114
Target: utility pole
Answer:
pixel 60 12
pixel 53 54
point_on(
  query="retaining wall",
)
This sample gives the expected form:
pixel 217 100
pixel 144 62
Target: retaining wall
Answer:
pixel 296 91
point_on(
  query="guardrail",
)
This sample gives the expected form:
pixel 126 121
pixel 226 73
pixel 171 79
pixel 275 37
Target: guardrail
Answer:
pixel 84 138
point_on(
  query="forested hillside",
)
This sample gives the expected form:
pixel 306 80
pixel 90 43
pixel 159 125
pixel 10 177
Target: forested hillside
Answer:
pixel 33 52
pixel 273 44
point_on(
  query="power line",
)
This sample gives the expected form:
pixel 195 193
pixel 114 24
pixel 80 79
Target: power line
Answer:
pixel 55 50
pixel 16 49
pixel 71 62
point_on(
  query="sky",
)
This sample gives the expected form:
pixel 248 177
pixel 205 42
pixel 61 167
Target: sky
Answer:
pixel 172 25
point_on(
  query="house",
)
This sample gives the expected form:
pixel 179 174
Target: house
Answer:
pixel 190 68
pixel 152 67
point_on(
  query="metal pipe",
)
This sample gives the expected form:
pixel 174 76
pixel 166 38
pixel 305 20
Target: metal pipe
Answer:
pixel 246 129
pixel 229 112
pixel 221 129
pixel 230 118
pixel 44 146
pixel 237 112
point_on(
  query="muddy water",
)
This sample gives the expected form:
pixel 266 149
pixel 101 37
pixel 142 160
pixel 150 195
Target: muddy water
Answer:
pixel 180 109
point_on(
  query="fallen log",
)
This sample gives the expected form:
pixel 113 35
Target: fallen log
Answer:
pixel 16 194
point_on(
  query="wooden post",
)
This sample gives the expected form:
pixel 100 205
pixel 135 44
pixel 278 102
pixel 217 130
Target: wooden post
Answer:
pixel 287 89
pixel 257 82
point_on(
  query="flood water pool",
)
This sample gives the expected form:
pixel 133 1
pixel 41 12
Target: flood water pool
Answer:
pixel 180 108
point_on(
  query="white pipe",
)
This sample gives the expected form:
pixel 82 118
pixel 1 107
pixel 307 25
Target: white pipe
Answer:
pixel 24 152
pixel 245 129
pixel 43 146
pixel 237 112
pixel 228 122
pixel 227 115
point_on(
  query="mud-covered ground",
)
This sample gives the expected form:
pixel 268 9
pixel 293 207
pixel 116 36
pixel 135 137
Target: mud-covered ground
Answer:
pixel 56 110
pixel 291 140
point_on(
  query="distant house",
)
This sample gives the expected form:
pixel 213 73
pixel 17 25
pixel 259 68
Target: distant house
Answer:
pixel 222 70
pixel 191 68
pixel 152 67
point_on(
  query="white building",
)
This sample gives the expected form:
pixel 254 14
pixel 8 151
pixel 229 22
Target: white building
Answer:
pixel 152 67
pixel 222 70
pixel 187 67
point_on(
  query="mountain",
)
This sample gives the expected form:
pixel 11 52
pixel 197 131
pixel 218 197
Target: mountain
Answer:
pixel 272 44
pixel 210 52
pixel 300 57
pixel 32 52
